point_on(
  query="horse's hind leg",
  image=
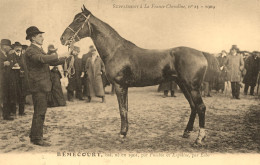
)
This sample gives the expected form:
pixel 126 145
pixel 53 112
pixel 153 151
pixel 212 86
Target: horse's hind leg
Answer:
pixel 188 96
pixel 122 97
pixel 201 109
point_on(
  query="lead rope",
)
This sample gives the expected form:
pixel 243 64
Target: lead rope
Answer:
pixel 71 69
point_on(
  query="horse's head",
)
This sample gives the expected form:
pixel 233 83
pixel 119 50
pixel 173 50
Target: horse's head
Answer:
pixel 78 29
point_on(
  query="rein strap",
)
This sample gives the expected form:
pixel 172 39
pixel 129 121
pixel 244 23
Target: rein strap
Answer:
pixel 82 26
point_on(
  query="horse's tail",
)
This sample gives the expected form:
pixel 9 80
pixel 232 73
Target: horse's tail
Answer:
pixel 213 70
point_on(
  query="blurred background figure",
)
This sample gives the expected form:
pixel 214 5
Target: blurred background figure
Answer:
pixel 84 78
pixel 251 66
pixel 94 69
pixel 18 76
pixel 24 47
pixel 211 76
pixel 235 65
pixel 7 103
pixel 166 87
pixel 73 70
pixel 222 60
pixel 55 97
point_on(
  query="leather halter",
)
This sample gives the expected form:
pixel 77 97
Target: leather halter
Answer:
pixel 81 27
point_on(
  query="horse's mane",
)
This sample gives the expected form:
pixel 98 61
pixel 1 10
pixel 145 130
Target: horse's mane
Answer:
pixel 114 32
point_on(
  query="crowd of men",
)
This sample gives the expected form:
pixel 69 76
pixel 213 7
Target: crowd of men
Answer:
pixel 28 70
pixel 236 68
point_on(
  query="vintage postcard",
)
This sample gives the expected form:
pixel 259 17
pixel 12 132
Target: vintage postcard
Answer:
pixel 130 82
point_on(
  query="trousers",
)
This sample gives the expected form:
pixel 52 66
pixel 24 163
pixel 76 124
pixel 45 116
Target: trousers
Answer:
pixel 40 108
pixel 235 87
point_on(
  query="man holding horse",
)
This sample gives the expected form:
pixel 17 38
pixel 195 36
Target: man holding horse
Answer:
pixel 38 62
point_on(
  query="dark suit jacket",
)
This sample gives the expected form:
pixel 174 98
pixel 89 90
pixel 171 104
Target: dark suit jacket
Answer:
pixel 8 85
pixel 3 58
pixel 37 62
pixel 3 73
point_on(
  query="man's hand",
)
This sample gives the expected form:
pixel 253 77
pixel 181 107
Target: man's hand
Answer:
pixel 82 74
pixel 6 63
pixel 11 51
pixel 16 65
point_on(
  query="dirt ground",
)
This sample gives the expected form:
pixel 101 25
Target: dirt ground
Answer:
pixel 156 124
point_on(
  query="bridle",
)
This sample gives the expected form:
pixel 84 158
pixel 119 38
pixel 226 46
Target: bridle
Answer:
pixel 81 27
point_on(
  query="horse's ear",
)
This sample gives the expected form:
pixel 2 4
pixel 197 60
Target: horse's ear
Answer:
pixel 85 10
pixel 82 9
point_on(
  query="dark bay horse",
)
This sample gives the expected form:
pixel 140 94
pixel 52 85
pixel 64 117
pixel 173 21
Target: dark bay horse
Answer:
pixel 130 66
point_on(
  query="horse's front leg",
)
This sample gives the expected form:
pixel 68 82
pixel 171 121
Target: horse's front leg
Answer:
pixel 122 97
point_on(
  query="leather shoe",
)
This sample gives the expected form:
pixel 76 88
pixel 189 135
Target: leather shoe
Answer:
pixel 41 143
pixel 8 118
pixel 103 100
pixel 22 114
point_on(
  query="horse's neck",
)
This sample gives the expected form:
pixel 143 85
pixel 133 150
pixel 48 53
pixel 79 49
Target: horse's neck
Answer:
pixel 105 38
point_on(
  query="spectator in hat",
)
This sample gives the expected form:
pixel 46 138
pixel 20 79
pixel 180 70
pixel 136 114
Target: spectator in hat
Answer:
pixel 222 60
pixel 38 62
pixel 55 97
pixel 251 66
pixel 18 76
pixel 5 83
pixel 166 87
pixel 24 47
pixel 84 61
pixel 235 65
pixel 73 70
pixel 95 68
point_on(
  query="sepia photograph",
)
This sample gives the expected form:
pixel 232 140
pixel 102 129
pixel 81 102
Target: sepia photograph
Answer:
pixel 129 82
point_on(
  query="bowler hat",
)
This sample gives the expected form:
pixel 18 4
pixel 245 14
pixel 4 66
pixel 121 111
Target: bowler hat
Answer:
pixel 32 30
pixel 6 42
pixel 234 47
pixel 17 44
pixel 24 47
pixel 255 52
pixel 92 48
pixel 223 51
pixel 76 48
pixel 52 48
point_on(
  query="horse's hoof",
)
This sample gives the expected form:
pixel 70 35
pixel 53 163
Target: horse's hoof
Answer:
pixel 186 134
pixel 199 141
pixel 122 135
